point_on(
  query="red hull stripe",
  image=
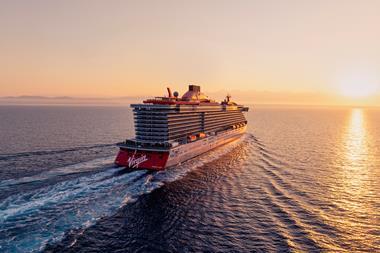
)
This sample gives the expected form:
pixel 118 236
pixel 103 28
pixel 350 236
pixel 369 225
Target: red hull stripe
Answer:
pixel 137 159
pixel 169 102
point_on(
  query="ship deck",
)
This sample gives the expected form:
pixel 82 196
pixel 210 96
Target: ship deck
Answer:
pixel 136 146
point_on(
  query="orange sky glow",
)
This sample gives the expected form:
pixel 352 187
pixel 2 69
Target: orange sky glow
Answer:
pixel 291 51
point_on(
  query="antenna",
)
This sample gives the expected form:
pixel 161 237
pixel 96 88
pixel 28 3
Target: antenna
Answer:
pixel 228 97
pixel 169 92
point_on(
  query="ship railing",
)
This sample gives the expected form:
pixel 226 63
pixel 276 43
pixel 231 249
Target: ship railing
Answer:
pixel 140 144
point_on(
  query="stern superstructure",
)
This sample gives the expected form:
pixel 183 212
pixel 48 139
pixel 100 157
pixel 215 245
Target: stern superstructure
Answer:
pixel 170 130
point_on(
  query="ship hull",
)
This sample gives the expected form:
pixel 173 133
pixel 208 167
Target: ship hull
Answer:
pixel 135 158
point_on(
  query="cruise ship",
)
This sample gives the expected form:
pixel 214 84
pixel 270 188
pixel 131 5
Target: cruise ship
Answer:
pixel 172 129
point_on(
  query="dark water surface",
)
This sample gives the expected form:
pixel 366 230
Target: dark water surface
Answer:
pixel 300 180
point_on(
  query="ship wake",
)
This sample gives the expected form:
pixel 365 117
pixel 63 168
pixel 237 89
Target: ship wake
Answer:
pixel 32 218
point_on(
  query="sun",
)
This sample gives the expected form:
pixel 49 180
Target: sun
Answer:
pixel 358 90
pixel 358 87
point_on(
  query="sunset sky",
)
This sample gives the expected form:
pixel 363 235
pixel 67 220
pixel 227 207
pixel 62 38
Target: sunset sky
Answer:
pixel 326 49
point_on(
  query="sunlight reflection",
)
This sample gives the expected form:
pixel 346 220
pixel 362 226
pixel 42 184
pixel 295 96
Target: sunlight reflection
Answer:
pixel 352 187
pixel 355 160
pixel 355 141
pixel 348 188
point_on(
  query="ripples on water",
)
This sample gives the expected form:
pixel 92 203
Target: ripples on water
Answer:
pixel 300 180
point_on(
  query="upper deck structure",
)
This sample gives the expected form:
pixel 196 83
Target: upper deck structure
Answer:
pixel 173 119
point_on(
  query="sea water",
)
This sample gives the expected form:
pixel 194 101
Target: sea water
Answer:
pixel 301 179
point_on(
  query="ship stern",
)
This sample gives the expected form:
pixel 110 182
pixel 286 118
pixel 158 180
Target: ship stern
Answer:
pixel 142 159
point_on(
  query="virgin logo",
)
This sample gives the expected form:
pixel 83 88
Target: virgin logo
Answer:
pixel 135 162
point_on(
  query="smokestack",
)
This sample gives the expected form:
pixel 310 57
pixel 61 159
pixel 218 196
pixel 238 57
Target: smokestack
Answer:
pixel 195 88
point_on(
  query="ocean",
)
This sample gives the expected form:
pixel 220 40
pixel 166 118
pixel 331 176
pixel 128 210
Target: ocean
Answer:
pixel 299 180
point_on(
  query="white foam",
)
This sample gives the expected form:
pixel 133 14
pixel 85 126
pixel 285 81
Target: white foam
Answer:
pixel 60 171
pixel 79 202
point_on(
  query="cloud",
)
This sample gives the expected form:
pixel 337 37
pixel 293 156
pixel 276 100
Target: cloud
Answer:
pixel 242 97
pixel 41 100
pixel 293 98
